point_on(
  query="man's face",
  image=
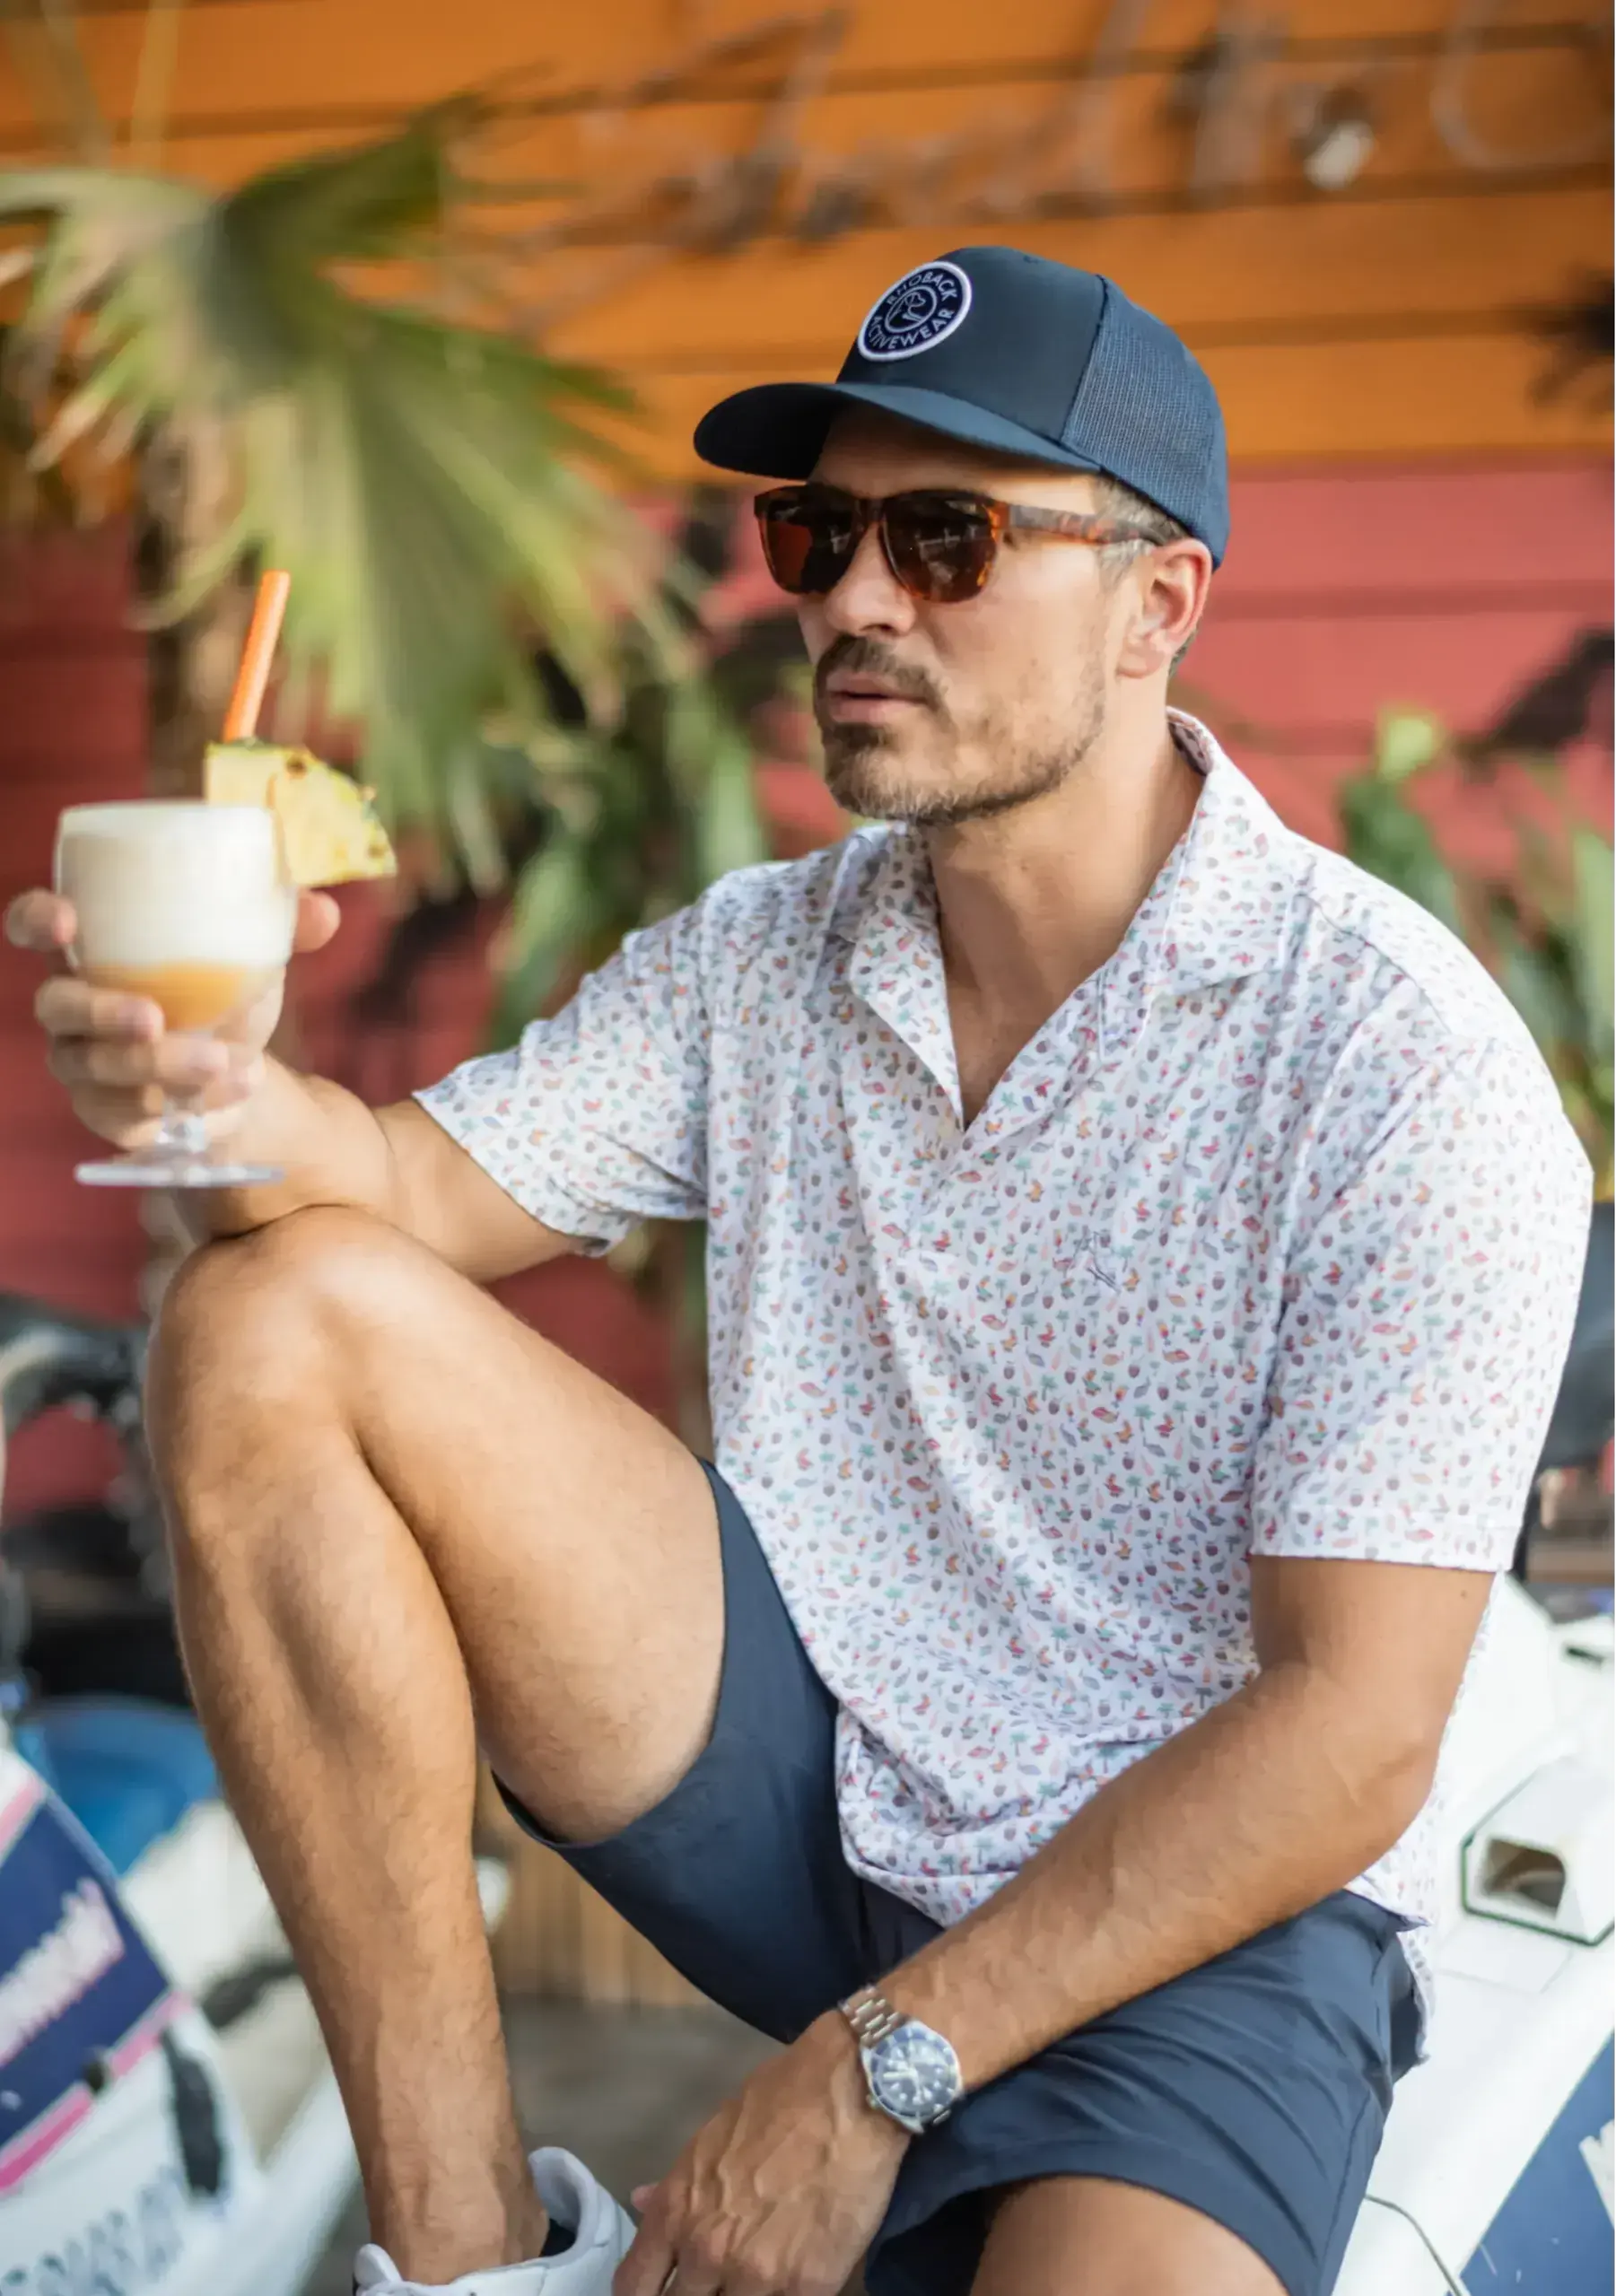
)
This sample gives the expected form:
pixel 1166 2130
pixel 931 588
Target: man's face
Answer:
pixel 945 713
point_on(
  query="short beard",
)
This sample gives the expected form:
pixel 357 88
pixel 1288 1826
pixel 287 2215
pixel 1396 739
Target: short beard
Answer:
pixel 865 777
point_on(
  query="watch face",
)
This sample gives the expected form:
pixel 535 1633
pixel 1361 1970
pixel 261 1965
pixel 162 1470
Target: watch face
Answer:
pixel 915 2074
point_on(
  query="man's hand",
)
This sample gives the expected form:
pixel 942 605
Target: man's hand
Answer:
pixel 781 2192
pixel 111 1051
pixel 397 1164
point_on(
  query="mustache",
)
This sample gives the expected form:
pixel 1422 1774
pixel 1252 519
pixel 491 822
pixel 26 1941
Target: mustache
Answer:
pixel 868 657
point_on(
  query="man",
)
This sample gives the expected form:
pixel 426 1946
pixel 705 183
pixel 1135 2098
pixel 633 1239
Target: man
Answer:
pixel 1141 1254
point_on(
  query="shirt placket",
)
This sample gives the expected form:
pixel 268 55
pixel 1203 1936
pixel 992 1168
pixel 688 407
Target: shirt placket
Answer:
pixel 900 1082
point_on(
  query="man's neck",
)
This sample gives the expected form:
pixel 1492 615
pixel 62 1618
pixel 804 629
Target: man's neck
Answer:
pixel 1031 902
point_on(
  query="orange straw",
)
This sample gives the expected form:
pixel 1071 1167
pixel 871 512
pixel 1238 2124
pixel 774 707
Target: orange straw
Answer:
pixel 242 718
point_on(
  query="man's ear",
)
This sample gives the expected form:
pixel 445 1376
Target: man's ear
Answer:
pixel 1167 589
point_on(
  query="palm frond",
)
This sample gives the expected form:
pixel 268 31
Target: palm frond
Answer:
pixel 367 201
pixel 437 493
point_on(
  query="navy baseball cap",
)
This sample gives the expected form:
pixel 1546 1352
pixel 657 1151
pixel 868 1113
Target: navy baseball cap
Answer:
pixel 1008 350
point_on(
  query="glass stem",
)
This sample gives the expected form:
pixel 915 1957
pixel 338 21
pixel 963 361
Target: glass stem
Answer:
pixel 182 1128
pixel 183 1132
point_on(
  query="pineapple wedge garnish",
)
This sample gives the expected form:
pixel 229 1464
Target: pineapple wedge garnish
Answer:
pixel 330 831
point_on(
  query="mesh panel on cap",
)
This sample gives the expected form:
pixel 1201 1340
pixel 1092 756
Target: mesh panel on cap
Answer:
pixel 1144 412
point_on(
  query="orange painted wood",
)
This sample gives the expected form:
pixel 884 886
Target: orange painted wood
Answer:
pixel 1441 397
pixel 1391 320
pixel 325 53
pixel 1021 126
pixel 1263 274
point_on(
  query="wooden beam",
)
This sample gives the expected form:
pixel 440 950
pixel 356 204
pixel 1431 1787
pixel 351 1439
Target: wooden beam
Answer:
pixel 257 54
pixel 1448 395
pixel 1255 274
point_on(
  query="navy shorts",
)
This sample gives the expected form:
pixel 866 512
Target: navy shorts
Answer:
pixel 1254 2088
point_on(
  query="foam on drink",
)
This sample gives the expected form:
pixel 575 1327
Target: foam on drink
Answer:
pixel 185 904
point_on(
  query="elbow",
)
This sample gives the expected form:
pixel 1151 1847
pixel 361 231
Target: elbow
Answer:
pixel 1394 1777
pixel 1373 1763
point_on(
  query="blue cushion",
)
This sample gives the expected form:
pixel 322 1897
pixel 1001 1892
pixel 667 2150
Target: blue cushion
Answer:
pixel 127 1770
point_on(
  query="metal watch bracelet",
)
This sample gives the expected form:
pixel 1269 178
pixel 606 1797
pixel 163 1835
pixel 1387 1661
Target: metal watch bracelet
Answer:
pixel 870 2014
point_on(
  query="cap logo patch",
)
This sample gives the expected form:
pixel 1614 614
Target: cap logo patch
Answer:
pixel 925 306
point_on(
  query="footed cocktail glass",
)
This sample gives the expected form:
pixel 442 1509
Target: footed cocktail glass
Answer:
pixel 190 905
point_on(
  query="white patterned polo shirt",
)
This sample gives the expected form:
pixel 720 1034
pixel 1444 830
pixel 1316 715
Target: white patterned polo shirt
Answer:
pixel 1268 1242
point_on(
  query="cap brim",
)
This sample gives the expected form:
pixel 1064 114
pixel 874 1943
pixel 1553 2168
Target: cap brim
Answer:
pixel 777 429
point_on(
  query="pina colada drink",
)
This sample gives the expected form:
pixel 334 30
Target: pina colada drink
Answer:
pixel 191 905
pixel 187 904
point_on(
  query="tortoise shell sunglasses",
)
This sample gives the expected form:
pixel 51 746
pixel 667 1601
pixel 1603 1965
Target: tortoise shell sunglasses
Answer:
pixel 940 543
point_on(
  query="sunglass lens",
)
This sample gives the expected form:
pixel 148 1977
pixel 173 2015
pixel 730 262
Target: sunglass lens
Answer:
pixel 809 543
pixel 941 549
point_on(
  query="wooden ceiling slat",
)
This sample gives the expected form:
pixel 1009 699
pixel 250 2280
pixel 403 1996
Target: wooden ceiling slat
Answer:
pixel 1273 270
pixel 1455 395
pixel 297 59
pixel 1394 318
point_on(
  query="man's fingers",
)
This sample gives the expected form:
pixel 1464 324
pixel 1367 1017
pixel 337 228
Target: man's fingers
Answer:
pixel 698 2275
pixel 66 1007
pixel 39 921
pixel 178 1062
pixel 318 918
pixel 644 2270
pixel 124 1119
pixel 46 923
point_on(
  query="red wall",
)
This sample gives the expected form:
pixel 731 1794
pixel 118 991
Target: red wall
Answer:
pixel 1349 591
pixel 1346 591
pixel 72 720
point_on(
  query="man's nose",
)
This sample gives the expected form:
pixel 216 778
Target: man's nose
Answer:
pixel 868 597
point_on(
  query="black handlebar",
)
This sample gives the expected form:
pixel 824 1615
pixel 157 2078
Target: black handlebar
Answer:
pixel 49 1357
pixel 1584 1417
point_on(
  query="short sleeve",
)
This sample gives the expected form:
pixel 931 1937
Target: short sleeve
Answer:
pixel 598 1119
pixel 1428 1308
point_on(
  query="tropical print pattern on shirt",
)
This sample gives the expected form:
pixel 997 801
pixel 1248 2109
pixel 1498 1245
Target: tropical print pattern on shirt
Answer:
pixel 1268 1242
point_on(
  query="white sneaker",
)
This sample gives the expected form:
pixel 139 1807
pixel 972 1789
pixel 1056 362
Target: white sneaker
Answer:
pixel 602 2235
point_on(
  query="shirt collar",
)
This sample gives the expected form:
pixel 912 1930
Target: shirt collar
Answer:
pixel 1216 913
pixel 1233 876
pixel 889 914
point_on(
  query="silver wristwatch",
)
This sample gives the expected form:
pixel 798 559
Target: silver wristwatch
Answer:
pixel 912 2073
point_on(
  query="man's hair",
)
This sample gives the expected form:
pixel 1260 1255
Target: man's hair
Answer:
pixel 1120 501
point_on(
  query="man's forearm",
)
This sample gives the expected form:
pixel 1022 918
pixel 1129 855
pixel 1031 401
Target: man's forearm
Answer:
pixel 1257 1811
pixel 331 1147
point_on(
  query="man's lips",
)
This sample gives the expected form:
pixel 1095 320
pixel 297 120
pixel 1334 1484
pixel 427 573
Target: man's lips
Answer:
pixel 853 701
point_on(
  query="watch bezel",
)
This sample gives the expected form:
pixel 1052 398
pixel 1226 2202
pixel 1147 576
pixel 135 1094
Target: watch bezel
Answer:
pixel 889 2046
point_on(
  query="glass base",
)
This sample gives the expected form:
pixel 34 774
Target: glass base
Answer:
pixel 150 1170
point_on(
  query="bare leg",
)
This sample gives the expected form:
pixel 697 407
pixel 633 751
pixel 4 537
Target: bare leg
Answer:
pixel 403 1521
pixel 1084 2236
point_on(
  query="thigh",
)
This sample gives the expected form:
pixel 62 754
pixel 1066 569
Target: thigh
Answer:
pixel 571 1537
pixel 738 1875
pixel 1083 2236
pixel 1251 2093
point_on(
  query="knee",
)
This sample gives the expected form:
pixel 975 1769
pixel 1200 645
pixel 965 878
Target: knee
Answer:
pixel 268 1318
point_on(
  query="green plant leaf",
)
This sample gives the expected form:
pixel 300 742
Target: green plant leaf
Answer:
pixel 427 486
pixel 710 769
pixel 1385 834
pixel 1534 983
pixel 553 911
pixel 1405 742
pixel 369 200
pixel 1593 913
pixel 1544 926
